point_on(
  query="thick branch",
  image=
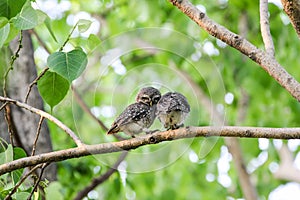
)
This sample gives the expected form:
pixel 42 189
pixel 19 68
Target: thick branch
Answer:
pixel 45 115
pixel 267 62
pixel 265 27
pixel 187 132
pixel 292 9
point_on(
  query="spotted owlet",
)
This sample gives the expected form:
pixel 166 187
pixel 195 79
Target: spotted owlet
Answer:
pixel 172 109
pixel 139 116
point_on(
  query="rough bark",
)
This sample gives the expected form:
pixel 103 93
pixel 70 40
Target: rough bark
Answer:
pixel 25 123
pixel 292 9
pixel 130 144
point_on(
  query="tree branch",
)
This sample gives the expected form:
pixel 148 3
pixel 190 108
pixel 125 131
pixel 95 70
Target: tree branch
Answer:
pixel 267 62
pixel 292 9
pixel 187 132
pixel 265 27
pixel 45 115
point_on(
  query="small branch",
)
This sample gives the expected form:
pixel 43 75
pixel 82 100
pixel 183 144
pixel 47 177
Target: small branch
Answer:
pixel 267 62
pixel 21 181
pixel 13 59
pixel 87 109
pixel 7 116
pixel 68 38
pixel 125 145
pixel 265 27
pixel 3 106
pixel 38 181
pixel 84 107
pixel 234 147
pixel 34 82
pixel 97 181
pixel 37 135
pixel 47 116
pixel 40 40
pixel 292 9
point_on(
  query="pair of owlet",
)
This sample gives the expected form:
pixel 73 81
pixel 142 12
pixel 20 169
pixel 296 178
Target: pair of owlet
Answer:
pixel 171 109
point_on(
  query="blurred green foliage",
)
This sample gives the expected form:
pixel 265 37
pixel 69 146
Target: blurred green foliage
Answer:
pixel 142 43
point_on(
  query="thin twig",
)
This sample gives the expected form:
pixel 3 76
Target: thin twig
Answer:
pixel 234 147
pixel 35 82
pixel 40 40
pixel 3 106
pixel 21 181
pixel 47 116
pixel 42 43
pixel 38 181
pixel 68 38
pixel 13 59
pixel 157 137
pixel 37 135
pixel 7 116
pixel 83 105
pixel 99 180
pixel 86 108
pixel 265 27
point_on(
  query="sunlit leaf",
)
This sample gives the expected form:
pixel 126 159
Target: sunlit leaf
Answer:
pixel 53 88
pixel 48 25
pixel 7 155
pixel 69 65
pixel 93 42
pixel 3 21
pixel 4 32
pixel 21 195
pixel 27 18
pixel 83 25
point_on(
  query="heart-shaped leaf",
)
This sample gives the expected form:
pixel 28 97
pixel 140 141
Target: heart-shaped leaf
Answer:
pixel 69 65
pixel 27 19
pixel 53 88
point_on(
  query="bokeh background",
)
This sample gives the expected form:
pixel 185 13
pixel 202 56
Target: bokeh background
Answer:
pixel 132 44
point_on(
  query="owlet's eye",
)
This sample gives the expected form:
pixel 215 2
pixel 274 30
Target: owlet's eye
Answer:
pixel 145 98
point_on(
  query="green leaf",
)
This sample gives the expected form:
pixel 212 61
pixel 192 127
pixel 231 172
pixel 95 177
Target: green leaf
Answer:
pixel 13 32
pixel 53 191
pixel 3 21
pixel 48 25
pixel 10 8
pixel 7 155
pixel 27 18
pixel 19 153
pixel 69 65
pixel 53 88
pixel 83 25
pixel 4 32
pixel 93 42
pixel 21 195
pixel 41 16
